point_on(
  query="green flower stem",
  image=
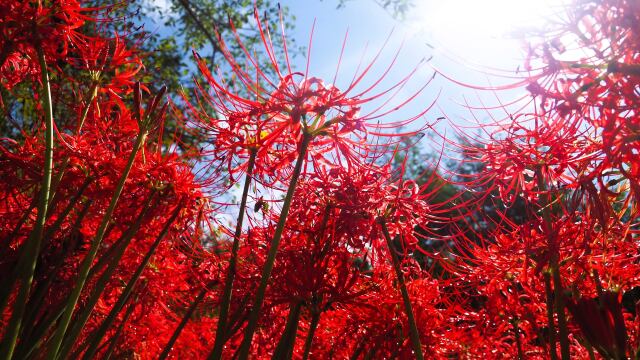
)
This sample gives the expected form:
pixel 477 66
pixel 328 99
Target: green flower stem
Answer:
pixel 558 293
pixel 516 334
pixel 51 230
pixel 233 261
pixel 185 319
pixel 592 355
pixel 413 329
pixel 7 282
pixel 32 245
pixel 96 338
pixel 237 320
pixel 114 338
pixel 105 259
pixel 39 292
pixel 58 336
pixel 596 279
pixel 284 349
pixel 32 339
pixel 358 351
pixel 273 250
pixel 315 319
pixel 57 179
pixel 37 337
pixel 550 321
pixel 114 260
pixel 625 69
pixel 93 92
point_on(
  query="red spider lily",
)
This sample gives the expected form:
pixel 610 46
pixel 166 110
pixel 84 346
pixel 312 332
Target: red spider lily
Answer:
pixel 272 113
pixel 111 63
pixel 318 262
pixel 166 175
pixel 330 229
pixel 296 115
pixel 315 271
pixel 15 68
pixel 88 165
pixel 599 87
pixel 550 217
pixel 557 148
pixel 242 129
pixel 565 167
pixel 353 198
pixel 357 198
pixel 376 325
pixel 25 24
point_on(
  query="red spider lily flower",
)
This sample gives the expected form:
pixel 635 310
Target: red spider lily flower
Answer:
pixel 553 146
pixel 357 198
pixel 376 325
pixel 89 165
pixel 240 129
pixel 318 263
pixel 599 86
pixel 16 68
pixel 274 113
pixel 313 276
pixel 166 176
pixel 354 198
pixel 25 24
pixel 110 61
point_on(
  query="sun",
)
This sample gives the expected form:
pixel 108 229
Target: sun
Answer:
pixel 481 28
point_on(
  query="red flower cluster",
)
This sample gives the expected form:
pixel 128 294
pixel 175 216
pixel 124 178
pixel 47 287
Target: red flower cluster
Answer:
pixel 112 191
pixel 559 200
pixel 113 246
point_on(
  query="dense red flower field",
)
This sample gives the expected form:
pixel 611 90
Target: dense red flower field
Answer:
pixel 113 237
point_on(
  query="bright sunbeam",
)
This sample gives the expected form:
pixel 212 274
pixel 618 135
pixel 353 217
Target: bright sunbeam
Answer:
pixel 481 31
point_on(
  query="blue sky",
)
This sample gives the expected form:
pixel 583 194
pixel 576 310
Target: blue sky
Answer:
pixel 464 39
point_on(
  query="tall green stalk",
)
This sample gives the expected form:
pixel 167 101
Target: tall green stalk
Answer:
pixel 413 328
pixel 31 252
pixel 37 295
pixel 558 293
pixel 563 333
pixel 284 349
pixel 114 339
pixel 51 230
pixel 313 325
pixel 516 335
pixel 95 245
pixel 233 261
pixel 96 337
pixel 185 319
pixel 33 332
pixel 553 355
pixel 87 309
pixel 93 93
pixel 273 250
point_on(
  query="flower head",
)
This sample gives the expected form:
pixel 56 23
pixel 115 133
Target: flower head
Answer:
pixel 269 110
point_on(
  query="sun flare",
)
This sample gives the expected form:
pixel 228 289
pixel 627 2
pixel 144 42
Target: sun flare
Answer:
pixel 469 26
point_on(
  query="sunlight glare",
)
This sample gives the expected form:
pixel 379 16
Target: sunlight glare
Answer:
pixel 472 28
